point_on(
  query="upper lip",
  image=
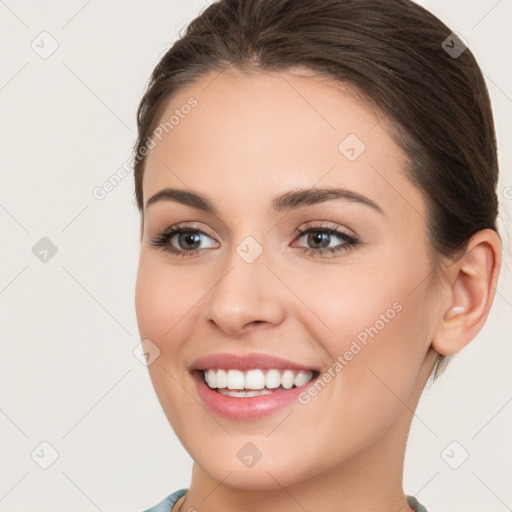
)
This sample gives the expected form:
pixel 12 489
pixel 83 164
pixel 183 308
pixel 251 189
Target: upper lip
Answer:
pixel 246 362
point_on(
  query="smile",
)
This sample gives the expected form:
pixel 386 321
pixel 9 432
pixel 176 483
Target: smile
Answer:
pixel 246 386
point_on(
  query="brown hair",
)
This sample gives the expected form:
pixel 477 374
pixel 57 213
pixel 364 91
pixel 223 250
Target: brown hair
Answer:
pixel 390 51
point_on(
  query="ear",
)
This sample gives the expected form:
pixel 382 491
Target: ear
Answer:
pixel 470 289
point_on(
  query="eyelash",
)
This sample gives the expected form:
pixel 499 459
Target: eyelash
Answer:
pixel 350 241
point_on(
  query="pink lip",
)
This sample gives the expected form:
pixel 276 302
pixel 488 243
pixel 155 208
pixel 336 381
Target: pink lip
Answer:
pixel 246 408
pixel 246 362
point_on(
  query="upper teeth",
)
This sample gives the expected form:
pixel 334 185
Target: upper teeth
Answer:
pixel 255 379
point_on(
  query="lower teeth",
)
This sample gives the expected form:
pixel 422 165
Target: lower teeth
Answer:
pixel 239 393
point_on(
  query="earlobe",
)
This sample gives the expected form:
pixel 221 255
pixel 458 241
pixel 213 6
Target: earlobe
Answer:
pixel 471 291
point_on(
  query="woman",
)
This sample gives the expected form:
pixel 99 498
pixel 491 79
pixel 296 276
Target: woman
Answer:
pixel 317 181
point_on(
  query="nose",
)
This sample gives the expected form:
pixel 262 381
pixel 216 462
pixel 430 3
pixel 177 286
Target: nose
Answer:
pixel 245 296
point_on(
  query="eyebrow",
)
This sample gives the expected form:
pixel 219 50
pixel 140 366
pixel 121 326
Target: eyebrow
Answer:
pixel 284 202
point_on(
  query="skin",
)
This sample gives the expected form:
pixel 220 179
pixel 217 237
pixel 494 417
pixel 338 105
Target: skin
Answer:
pixel 252 137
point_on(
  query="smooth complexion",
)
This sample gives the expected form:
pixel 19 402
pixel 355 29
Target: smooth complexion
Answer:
pixel 253 137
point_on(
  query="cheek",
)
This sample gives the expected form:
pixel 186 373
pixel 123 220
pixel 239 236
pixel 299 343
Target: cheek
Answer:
pixel 375 329
pixel 365 304
pixel 163 300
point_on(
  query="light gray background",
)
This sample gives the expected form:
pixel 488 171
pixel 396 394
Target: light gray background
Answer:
pixel 68 375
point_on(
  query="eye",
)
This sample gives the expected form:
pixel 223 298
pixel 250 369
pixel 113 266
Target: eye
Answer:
pixel 188 237
pixel 320 237
pixel 188 240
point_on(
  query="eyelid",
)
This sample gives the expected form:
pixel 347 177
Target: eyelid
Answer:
pixel 328 225
pixel 192 226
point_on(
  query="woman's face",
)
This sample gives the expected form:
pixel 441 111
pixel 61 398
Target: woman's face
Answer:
pixel 362 311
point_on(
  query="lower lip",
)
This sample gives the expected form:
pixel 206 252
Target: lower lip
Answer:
pixel 245 408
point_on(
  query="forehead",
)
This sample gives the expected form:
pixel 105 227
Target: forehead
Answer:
pixel 256 134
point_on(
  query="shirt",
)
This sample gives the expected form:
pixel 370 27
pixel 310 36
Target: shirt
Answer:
pixel 167 503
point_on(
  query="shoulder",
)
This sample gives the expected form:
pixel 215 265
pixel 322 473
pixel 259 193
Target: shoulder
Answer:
pixel 167 503
pixel 416 505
